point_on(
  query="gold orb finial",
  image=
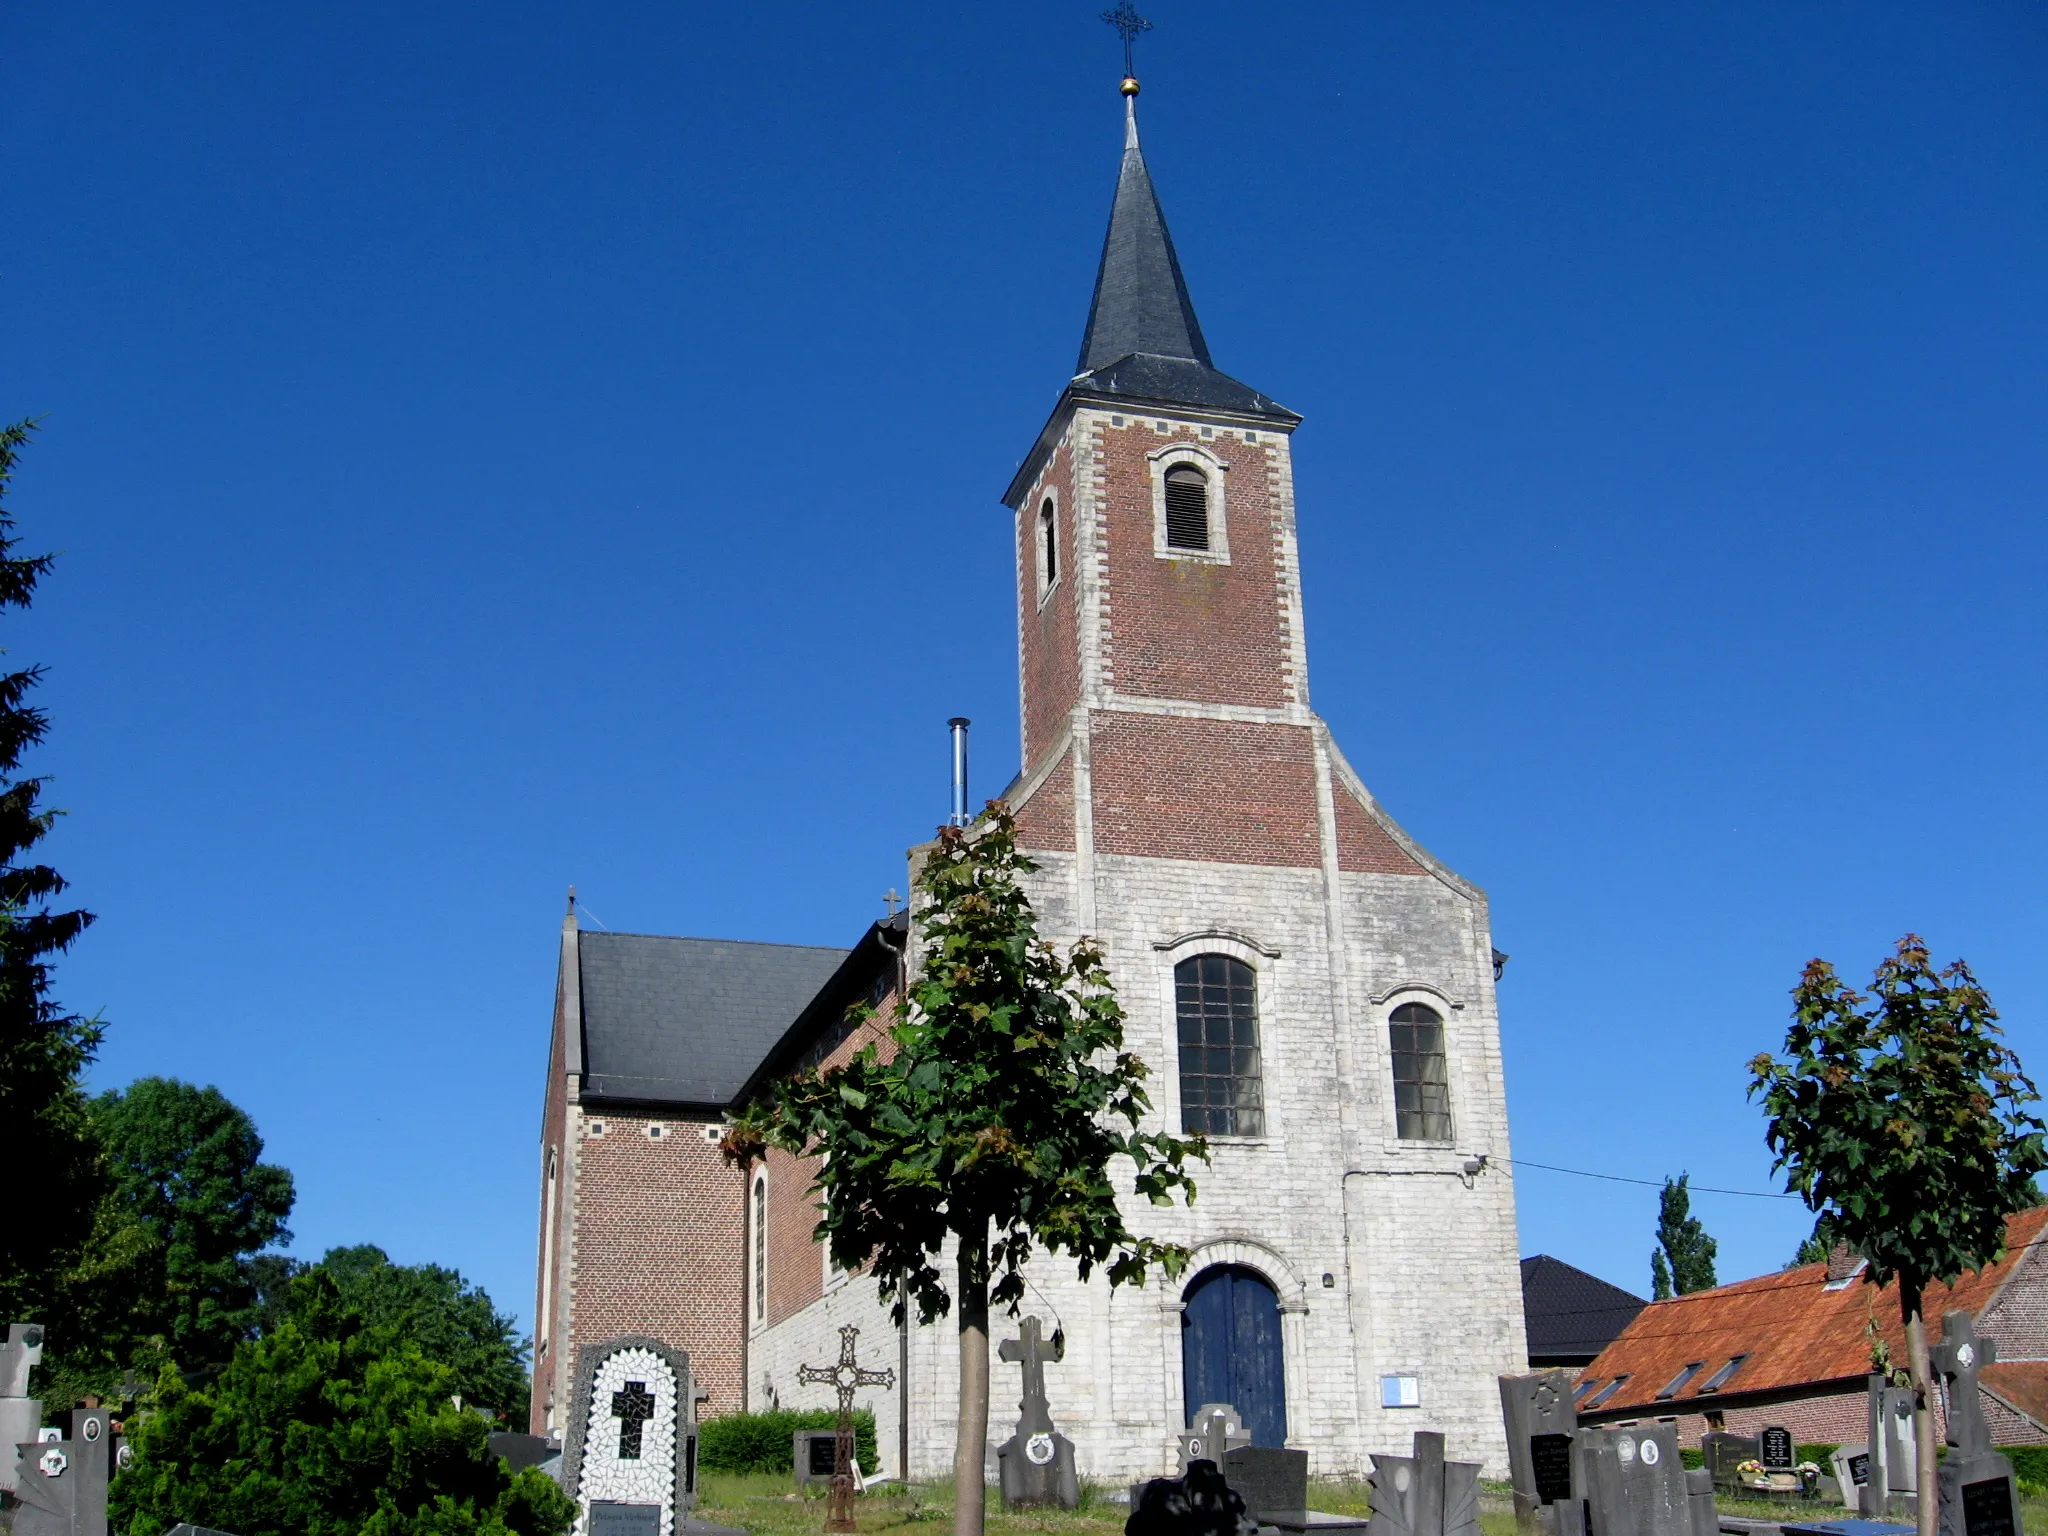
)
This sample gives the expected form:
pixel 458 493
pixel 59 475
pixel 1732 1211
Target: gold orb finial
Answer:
pixel 1130 85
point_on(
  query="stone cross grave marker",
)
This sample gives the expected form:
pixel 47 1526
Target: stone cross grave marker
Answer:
pixel 1541 1421
pixel 20 1415
pixel 1977 1492
pixel 630 1457
pixel 1634 1482
pixel 1037 1462
pixel 1422 1494
pixel 848 1376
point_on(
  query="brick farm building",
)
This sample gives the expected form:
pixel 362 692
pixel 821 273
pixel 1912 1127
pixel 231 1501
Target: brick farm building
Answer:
pixel 1311 988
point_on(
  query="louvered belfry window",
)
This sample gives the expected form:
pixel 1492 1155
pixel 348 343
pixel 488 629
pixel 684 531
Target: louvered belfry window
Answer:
pixel 1187 508
pixel 1221 1093
pixel 1422 1079
pixel 1048 547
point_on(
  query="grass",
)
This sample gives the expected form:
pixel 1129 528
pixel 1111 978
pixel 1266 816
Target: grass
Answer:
pixel 764 1504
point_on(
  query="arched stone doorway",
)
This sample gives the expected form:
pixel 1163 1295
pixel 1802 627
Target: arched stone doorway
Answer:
pixel 1230 1349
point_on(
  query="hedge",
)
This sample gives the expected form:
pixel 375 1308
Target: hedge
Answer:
pixel 761 1442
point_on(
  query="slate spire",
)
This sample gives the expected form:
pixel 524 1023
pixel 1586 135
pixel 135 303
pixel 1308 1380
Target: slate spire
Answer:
pixel 1141 300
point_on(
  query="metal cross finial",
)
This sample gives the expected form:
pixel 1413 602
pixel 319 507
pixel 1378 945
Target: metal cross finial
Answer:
pixel 894 901
pixel 1129 24
pixel 848 1376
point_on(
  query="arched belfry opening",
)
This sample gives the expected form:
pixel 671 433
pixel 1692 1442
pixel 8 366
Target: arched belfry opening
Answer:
pixel 1230 1349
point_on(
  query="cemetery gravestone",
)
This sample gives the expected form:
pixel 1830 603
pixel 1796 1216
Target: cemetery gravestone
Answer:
pixel 632 1441
pixel 1699 1498
pixel 1422 1494
pixel 1852 1473
pixel 1894 1454
pixel 1978 1496
pixel 1722 1453
pixel 1037 1462
pixel 61 1484
pixel 815 1456
pixel 20 1415
pixel 1540 1420
pixel 1215 1431
pixel 1775 1449
pixel 1634 1482
pixel 1271 1481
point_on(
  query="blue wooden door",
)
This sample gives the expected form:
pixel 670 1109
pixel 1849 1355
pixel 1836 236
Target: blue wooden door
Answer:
pixel 1230 1350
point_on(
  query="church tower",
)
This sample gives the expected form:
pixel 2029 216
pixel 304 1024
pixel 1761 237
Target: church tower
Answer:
pixel 1311 989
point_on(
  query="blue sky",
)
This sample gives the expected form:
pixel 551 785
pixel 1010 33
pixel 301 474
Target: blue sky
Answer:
pixel 500 447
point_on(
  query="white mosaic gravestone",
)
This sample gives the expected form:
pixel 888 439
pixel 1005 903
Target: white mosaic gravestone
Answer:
pixel 630 1459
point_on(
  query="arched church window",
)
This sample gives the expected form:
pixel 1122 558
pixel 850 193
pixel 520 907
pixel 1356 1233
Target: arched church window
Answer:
pixel 1422 1078
pixel 1187 508
pixel 1216 999
pixel 761 1248
pixel 1048 547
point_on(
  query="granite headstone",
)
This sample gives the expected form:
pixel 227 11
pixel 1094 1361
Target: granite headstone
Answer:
pixel 1272 1481
pixel 20 1415
pixel 1722 1453
pixel 1634 1481
pixel 61 1484
pixel 1776 1450
pixel 1540 1420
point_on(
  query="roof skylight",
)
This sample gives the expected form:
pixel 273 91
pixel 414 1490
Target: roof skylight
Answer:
pixel 1677 1383
pixel 1720 1378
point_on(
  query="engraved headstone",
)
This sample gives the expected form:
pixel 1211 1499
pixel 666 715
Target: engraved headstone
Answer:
pixel 1037 1462
pixel 1775 1449
pixel 1270 1480
pixel 1423 1494
pixel 1978 1496
pixel 1634 1482
pixel 814 1453
pixel 1540 1420
pixel 1699 1498
pixel 632 1441
pixel 1722 1453
pixel 1852 1473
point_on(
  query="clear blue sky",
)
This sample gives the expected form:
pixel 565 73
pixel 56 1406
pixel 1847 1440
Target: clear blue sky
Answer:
pixel 500 446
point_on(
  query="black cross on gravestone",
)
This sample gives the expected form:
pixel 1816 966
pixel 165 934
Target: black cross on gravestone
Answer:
pixel 632 1407
pixel 1957 1359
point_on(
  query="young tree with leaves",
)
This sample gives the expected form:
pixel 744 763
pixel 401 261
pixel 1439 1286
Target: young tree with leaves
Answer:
pixel 994 1121
pixel 43 1049
pixel 1683 1260
pixel 1907 1124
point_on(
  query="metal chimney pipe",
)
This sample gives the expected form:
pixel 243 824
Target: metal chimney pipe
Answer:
pixel 959 724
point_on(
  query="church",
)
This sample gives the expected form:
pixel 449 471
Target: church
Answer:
pixel 1311 990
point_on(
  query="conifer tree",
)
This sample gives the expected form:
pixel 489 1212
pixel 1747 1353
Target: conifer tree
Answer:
pixel 45 1127
pixel 1683 1260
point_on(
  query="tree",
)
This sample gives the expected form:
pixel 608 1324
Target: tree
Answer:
pixel 993 1121
pixel 452 1322
pixel 185 1163
pixel 1683 1260
pixel 44 1122
pixel 327 1427
pixel 1818 1246
pixel 1907 1123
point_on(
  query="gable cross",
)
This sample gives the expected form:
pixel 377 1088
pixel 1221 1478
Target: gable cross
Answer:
pixel 632 1407
pixel 848 1376
pixel 1957 1359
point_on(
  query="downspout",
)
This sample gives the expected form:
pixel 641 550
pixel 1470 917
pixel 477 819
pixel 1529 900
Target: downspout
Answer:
pixel 903 1287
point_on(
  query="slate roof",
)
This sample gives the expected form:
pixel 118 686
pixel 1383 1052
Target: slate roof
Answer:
pixel 1797 1329
pixel 1571 1315
pixel 1143 345
pixel 686 1021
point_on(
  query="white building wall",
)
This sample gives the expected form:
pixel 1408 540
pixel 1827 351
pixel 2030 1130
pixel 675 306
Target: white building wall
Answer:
pixel 1421 1279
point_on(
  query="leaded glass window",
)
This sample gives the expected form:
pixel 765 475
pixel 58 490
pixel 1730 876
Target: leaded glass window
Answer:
pixel 1216 999
pixel 1422 1078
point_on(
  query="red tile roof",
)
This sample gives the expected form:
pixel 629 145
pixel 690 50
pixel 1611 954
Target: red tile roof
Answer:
pixel 1795 1330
